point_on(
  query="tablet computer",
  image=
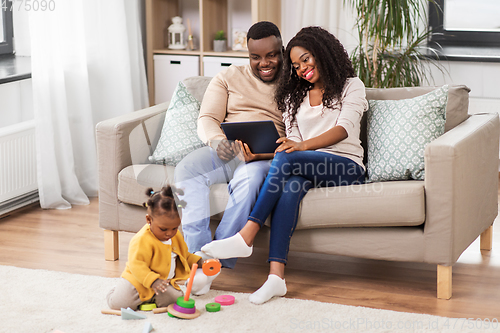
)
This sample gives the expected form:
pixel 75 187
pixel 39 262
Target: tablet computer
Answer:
pixel 260 136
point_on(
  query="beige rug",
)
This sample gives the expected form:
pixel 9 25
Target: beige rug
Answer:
pixel 35 301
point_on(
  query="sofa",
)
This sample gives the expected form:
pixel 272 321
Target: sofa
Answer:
pixel 430 221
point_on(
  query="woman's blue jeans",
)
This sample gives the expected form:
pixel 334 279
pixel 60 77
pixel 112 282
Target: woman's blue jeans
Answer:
pixel 290 177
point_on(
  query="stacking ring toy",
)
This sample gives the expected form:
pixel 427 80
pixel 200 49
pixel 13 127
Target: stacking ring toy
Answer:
pixel 211 267
pixel 213 307
pixel 184 307
pixel 189 304
pixel 225 299
pixel 184 310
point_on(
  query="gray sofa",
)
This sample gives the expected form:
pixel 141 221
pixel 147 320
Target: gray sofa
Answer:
pixel 431 221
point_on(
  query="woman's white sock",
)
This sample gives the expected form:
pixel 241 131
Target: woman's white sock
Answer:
pixel 274 286
pixel 232 247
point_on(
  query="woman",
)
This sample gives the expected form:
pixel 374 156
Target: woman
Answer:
pixel 322 104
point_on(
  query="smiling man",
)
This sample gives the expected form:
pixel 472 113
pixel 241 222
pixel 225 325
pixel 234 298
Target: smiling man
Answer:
pixel 238 93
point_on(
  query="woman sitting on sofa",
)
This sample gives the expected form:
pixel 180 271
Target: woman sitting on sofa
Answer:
pixel 322 102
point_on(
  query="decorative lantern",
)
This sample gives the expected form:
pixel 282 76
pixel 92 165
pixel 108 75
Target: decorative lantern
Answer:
pixel 176 34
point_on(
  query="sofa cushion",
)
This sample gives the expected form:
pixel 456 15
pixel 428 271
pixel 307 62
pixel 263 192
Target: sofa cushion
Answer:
pixel 135 179
pixel 399 203
pixel 398 132
pixel 179 135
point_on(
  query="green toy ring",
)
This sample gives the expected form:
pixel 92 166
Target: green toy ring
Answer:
pixel 185 304
pixel 212 307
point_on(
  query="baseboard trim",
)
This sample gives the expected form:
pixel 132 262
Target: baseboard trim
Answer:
pixel 13 205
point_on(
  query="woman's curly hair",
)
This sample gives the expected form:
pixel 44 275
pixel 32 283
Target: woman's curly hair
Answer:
pixel 164 201
pixel 332 62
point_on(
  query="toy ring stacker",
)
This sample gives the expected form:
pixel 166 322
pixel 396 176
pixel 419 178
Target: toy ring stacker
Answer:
pixel 211 267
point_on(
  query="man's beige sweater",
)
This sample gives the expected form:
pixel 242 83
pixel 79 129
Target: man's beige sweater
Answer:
pixel 236 94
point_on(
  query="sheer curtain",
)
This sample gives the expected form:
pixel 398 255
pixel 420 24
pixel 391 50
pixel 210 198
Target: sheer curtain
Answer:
pixel 332 15
pixel 87 66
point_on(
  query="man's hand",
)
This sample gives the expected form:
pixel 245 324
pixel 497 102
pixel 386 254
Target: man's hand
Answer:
pixel 225 150
pixel 160 286
pixel 243 151
pixel 289 145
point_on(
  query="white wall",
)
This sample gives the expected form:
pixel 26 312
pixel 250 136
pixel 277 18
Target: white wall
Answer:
pixel 480 77
pixel 17 102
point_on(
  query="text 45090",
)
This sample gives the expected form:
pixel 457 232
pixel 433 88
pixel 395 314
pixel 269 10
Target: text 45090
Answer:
pixel 30 5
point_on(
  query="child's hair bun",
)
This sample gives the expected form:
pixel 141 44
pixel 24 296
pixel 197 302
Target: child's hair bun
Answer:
pixel 165 198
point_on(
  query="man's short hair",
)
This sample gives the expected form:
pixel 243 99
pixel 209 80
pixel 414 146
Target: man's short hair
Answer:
pixel 263 29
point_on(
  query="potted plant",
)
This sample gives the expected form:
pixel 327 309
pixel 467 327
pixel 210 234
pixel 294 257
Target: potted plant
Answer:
pixel 220 41
pixel 392 43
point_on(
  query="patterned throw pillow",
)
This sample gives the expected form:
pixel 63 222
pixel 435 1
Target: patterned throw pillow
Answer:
pixel 398 132
pixel 178 135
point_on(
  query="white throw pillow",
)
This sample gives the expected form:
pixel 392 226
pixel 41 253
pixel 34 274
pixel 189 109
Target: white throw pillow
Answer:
pixel 178 136
pixel 398 132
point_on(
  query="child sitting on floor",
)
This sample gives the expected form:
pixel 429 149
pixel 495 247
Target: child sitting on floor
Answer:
pixel 158 258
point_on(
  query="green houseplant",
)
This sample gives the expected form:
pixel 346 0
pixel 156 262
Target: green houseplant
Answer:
pixel 391 50
pixel 220 41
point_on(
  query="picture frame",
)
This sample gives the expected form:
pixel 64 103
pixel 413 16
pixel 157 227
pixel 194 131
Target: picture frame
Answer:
pixel 239 40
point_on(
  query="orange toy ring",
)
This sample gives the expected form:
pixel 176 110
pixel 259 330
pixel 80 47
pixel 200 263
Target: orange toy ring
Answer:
pixel 211 267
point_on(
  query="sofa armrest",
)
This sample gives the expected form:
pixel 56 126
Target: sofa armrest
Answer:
pixel 461 185
pixel 123 141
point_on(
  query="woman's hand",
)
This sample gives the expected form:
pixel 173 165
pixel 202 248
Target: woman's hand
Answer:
pixel 160 286
pixel 289 145
pixel 243 151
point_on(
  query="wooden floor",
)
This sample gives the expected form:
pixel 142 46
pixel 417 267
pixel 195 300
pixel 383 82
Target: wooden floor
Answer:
pixel 71 241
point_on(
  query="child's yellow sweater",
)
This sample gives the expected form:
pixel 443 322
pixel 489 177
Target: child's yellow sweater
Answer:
pixel 150 259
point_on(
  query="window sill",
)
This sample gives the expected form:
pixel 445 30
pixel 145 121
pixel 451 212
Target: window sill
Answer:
pixel 14 68
pixel 466 53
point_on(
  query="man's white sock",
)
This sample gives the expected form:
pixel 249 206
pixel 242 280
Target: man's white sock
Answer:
pixel 274 286
pixel 232 247
pixel 201 282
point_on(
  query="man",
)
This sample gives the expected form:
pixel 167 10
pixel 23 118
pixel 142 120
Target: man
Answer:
pixel 238 93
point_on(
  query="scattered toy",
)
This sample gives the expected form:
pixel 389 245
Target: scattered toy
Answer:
pixel 224 299
pixel 147 306
pixel 213 307
pixel 147 327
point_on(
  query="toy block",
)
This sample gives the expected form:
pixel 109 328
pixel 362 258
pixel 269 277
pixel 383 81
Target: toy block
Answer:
pixel 147 327
pixel 131 314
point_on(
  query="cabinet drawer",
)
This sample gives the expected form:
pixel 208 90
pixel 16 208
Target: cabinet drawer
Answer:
pixel 213 65
pixel 169 70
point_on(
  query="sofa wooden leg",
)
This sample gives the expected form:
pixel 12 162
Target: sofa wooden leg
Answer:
pixel 443 282
pixel 486 239
pixel 111 252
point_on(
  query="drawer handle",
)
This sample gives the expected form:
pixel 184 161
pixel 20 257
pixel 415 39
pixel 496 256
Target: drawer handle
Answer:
pixel 225 64
pixel 175 62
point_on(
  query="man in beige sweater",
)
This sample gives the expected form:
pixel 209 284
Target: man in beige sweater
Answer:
pixel 238 93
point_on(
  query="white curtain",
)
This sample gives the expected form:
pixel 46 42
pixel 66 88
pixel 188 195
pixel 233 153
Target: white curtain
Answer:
pixel 332 15
pixel 87 66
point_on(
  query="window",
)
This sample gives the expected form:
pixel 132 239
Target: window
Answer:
pixel 465 22
pixel 6 28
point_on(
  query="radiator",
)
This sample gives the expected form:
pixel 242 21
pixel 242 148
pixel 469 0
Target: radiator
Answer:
pixel 18 180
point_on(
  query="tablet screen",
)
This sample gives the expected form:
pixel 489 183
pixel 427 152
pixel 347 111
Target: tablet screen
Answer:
pixel 260 136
